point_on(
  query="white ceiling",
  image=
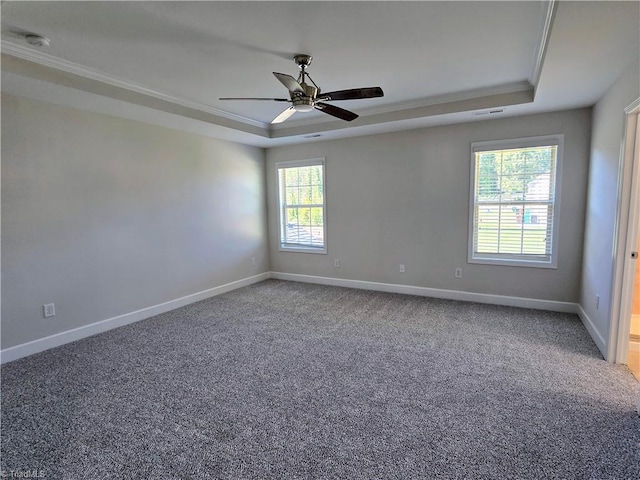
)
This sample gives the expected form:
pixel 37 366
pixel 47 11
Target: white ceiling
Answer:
pixel 437 62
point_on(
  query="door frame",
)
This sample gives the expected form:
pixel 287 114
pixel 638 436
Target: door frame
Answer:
pixel 628 230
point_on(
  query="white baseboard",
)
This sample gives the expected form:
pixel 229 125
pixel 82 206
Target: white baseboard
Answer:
pixel 29 348
pixel 551 305
pixel 35 346
pixel 597 337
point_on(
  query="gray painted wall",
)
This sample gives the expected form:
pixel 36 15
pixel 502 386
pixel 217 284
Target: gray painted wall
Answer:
pixel 104 216
pixel 404 198
pixel 600 230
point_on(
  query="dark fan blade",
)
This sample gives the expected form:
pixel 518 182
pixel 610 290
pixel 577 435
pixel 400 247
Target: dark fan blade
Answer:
pixel 353 94
pixel 284 115
pixel 338 112
pixel 254 98
pixel 289 82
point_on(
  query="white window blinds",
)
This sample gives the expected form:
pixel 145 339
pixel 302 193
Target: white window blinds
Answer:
pixel 514 202
pixel 302 205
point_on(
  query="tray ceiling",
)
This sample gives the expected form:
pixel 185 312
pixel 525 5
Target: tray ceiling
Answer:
pixel 437 62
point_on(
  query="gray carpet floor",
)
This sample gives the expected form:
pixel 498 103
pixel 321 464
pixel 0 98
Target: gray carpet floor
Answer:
pixel 287 380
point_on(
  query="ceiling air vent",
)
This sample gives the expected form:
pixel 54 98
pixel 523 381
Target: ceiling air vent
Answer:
pixel 489 112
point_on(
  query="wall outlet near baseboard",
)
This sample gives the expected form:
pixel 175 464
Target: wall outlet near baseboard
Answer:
pixel 458 273
pixel 253 261
pixel 336 263
pixel 401 268
pixel 49 310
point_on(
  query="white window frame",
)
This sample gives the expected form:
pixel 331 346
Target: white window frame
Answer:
pixel 513 259
pixel 284 247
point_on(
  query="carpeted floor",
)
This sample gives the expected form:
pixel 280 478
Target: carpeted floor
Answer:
pixel 287 380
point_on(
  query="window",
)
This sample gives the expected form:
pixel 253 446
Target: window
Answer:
pixel 302 206
pixel 514 202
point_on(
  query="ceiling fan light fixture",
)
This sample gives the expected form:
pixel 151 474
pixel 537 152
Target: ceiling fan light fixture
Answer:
pixel 303 108
pixel 303 104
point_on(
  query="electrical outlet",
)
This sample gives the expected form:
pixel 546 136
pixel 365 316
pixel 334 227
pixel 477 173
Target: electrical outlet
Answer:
pixel 401 268
pixel 336 263
pixel 253 261
pixel 49 310
pixel 458 273
pixel 597 302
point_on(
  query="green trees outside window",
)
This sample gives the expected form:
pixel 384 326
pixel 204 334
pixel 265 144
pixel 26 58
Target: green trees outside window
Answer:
pixel 301 189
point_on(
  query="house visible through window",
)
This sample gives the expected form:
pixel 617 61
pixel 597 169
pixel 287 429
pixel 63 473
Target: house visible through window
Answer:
pixel 302 206
pixel 514 202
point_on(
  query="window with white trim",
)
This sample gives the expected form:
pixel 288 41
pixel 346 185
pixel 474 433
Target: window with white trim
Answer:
pixel 514 201
pixel 301 200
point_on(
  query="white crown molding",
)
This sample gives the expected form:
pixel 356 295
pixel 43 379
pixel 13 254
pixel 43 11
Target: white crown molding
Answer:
pixel 477 93
pixel 67 96
pixel 633 106
pixel 451 97
pixel 57 63
pixel 93 74
pixel 543 43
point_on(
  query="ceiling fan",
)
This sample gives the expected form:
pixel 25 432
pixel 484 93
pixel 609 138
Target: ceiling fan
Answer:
pixel 305 97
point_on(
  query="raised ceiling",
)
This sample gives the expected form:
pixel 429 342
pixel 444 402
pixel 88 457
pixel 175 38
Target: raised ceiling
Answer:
pixel 437 62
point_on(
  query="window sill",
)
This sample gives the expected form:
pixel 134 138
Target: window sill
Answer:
pixel 505 262
pixel 302 249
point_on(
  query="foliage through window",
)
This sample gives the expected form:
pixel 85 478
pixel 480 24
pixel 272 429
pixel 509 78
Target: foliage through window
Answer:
pixel 302 205
pixel 514 202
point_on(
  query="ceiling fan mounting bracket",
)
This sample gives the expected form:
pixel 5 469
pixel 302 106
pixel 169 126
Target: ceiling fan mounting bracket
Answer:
pixel 303 61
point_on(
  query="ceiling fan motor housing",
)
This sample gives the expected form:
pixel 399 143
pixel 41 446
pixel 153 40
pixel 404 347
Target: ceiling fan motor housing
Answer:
pixel 306 102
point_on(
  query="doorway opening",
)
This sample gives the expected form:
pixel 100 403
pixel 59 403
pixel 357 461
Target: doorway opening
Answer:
pixel 633 356
pixel 625 326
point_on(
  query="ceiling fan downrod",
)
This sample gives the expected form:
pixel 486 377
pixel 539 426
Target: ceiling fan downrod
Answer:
pixel 303 61
pixel 304 101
